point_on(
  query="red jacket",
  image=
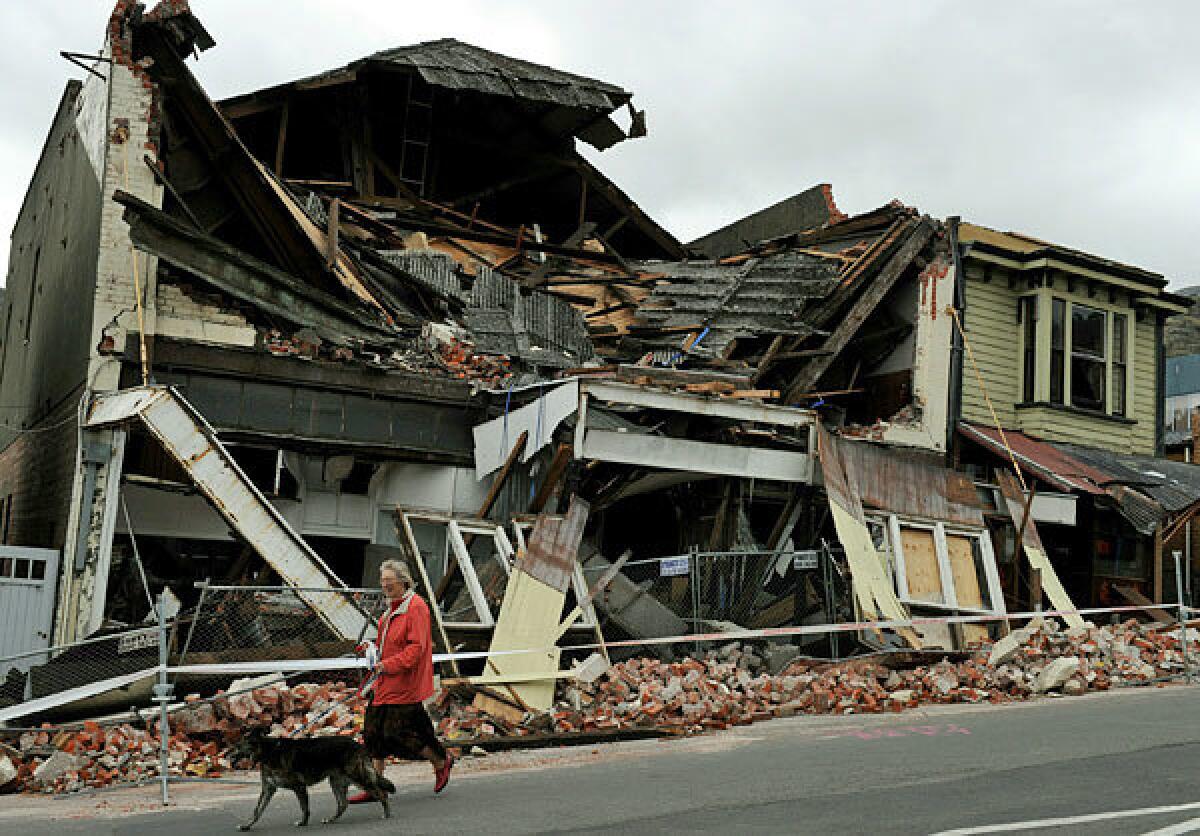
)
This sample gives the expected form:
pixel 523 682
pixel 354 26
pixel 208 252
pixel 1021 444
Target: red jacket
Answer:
pixel 406 654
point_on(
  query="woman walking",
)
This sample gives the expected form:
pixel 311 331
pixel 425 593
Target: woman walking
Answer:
pixel 397 724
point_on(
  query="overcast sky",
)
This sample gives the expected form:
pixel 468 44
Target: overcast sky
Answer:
pixel 1076 122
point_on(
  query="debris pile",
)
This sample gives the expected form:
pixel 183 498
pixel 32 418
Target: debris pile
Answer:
pixel 727 686
pixel 202 736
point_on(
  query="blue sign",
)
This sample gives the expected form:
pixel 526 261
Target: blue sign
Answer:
pixel 670 567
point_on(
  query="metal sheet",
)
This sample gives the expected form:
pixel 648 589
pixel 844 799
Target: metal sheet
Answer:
pixel 903 484
pixel 494 439
pixel 553 545
pixel 627 393
pixel 696 456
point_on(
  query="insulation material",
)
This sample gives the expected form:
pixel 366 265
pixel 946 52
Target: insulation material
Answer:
pixel 495 439
pixel 1031 542
pixel 872 589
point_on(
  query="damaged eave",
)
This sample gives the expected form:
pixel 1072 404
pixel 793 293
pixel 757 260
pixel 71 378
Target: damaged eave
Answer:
pixel 246 278
pixel 246 180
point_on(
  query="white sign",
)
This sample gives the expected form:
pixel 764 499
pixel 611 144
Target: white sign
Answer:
pixel 137 641
pixel 804 560
pixel 670 567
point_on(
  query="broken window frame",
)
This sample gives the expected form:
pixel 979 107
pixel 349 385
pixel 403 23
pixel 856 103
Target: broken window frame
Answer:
pixel 893 523
pixel 504 552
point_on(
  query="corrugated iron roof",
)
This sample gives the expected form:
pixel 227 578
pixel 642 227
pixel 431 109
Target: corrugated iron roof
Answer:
pixel 1174 485
pixel 1040 457
pixel 1143 488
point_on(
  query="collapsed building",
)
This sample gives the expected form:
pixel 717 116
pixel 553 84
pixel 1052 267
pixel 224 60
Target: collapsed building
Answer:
pixel 391 310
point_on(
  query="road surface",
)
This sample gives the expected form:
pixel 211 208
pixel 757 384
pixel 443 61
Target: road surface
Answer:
pixel 1126 762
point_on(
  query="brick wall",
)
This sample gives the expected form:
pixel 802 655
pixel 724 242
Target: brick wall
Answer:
pixel 185 313
pixel 36 471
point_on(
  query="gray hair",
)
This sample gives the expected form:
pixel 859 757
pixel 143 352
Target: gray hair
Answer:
pixel 399 569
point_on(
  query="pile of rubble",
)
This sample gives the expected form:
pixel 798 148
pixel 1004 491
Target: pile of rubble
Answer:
pixel 736 684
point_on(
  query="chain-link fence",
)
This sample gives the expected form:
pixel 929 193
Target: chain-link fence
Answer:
pixel 714 592
pixel 42 674
pixel 248 623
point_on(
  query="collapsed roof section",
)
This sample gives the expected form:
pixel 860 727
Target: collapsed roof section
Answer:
pixel 448 131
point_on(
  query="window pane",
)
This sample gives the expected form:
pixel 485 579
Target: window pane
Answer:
pixel 6 567
pixel 1087 382
pixel 1088 369
pixel 22 569
pixel 1058 318
pixel 39 570
pixel 1119 336
pixel 1087 331
pixel 1118 395
pixel 966 564
pixel 1057 349
pixel 1029 330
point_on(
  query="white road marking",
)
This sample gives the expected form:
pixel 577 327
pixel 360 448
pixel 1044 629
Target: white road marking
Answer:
pixel 1189 826
pixel 1036 824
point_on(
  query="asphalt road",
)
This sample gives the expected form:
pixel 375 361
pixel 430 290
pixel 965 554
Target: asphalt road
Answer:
pixel 948 768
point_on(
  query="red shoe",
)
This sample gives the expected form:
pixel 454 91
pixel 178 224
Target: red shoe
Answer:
pixel 442 776
pixel 363 797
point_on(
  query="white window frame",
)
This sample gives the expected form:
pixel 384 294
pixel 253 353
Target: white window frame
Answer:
pixel 503 552
pixel 893 524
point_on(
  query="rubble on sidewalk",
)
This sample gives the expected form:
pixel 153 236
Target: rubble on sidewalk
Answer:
pixel 726 686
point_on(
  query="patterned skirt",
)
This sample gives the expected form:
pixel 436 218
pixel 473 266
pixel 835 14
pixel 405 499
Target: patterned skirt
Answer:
pixel 400 731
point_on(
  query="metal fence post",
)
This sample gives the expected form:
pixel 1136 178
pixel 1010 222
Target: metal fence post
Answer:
pixel 162 695
pixel 1183 648
pixel 693 560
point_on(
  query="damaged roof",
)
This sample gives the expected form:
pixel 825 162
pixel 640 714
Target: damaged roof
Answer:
pixel 456 65
pixel 727 301
pixel 1147 491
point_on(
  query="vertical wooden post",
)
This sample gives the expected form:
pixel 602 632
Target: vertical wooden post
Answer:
pixel 281 140
pixel 1158 558
pixel 1035 590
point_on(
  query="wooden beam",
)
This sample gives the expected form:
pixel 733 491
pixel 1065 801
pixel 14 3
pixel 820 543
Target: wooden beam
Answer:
pixel 863 307
pixel 562 457
pixel 1158 568
pixel 281 140
pixel 331 233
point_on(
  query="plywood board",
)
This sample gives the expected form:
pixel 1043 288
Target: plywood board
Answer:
pixel 921 565
pixel 962 567
pixel 528 616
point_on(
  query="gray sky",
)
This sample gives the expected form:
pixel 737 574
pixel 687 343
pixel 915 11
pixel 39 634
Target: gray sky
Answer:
pixel 1076 122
